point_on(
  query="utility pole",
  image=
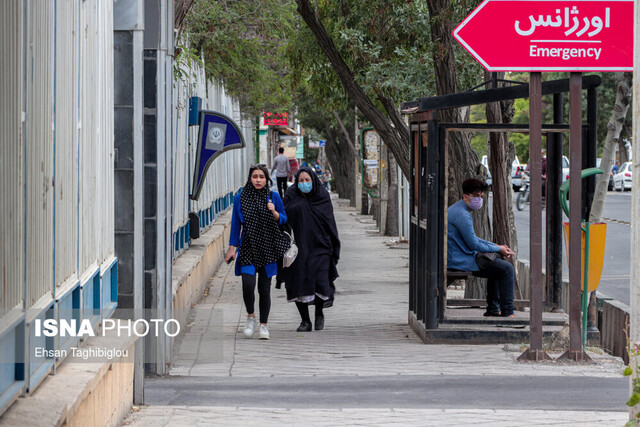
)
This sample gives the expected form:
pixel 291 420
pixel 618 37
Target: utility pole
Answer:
pixel 634 333
pixel 356 145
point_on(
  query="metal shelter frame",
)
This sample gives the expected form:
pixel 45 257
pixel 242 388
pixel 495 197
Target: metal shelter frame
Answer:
pixel 429 177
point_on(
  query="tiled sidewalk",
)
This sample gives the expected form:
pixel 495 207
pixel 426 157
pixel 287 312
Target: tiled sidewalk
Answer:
pixel 366 335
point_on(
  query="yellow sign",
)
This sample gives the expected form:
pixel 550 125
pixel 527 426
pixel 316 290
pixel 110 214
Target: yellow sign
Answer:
pixel 597 238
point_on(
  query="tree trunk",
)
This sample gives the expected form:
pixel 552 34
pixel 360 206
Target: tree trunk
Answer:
pixel 395 137
pixel 463 161
pixel 392 202
pixel 618 116
pixel 500 163
pixel 341 159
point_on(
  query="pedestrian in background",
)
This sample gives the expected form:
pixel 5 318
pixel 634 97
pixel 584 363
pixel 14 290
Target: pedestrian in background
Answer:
pixel 309 280
pixel 326 178
pixel 257 241
pixel 543 170
pixel 283 169
pixel 616 167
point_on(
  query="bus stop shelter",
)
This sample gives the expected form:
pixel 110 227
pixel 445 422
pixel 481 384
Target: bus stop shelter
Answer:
pixel 429 312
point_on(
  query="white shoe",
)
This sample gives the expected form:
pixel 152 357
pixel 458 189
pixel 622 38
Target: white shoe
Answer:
pixel 249 327
pixel 264 332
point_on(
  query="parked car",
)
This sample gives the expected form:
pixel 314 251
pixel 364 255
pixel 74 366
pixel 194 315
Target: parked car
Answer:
pixel 565 168
pixel 623 179
pixel 610 186
pixel 516 172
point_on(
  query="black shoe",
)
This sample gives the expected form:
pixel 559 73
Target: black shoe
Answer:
pixel 304 327
pixel 491 314
pixel 319 323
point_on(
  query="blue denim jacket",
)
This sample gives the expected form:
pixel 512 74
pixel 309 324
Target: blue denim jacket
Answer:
pixel 462 242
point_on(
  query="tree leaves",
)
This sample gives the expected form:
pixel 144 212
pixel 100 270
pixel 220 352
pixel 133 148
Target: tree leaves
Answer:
pixel 244 44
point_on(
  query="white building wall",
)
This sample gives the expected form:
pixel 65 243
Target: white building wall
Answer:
pixel 95 127
pixel 39 208
pixel 56 158
pixel 12 157
pixel 66 125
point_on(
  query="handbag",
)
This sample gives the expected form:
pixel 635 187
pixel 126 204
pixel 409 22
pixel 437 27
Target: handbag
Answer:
pixel 485 259
pixel 290 255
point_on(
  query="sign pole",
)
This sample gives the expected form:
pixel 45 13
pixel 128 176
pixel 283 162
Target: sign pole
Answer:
pixel 552 35
pixel 575 352
pixel 535 351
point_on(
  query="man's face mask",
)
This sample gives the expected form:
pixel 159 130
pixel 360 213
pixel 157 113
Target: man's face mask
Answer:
pixel 475 203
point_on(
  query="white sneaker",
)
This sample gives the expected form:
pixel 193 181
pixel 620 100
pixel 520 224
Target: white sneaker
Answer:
pixel 249 327
pixel 264 332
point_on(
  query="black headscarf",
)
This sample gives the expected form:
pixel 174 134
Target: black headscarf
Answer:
pixel 311 217
pixel 262 240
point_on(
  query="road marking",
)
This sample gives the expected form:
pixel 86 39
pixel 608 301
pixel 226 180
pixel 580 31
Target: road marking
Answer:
pixel 615 221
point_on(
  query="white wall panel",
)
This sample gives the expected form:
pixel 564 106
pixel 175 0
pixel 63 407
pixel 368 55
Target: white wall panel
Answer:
pixel 105 207
pixel 89 152
pixel 39 150
pixel 66 135
pixel 95 134
pixel 11 156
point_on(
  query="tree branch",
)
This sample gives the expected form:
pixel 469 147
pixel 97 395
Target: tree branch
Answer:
pixel 181 10
pixel 381 123
pixel 352 148
pixel 396 119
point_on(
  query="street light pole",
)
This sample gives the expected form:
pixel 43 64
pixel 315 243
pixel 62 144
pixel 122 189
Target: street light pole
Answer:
pixel 634 333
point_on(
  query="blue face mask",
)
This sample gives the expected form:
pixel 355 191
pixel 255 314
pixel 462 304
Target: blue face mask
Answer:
pixel 305 187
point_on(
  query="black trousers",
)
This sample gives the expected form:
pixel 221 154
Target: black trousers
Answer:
pixel 282 185
pixel 264 290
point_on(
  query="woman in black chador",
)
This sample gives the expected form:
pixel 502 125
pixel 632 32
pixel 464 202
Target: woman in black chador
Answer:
pixel 309 280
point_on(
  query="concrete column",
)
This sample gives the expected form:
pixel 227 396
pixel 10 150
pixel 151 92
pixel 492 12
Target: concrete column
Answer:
pixel 158 198
pixel 128 23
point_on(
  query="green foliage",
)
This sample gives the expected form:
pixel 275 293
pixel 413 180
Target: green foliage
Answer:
pixel 479 144
pixel 244 43
pixel 606 98
pixel 521 142
pixel 185 60
pixel 310 154
pixel 386 44
pixel 632 370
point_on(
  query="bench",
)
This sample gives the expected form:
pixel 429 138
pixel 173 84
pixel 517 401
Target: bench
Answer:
pixel 453 275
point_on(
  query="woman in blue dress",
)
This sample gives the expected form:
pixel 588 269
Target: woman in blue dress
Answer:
pixel 257 242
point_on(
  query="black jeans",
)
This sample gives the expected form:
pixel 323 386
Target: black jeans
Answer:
pixel 264 290
pixel 500 277
pixel 282 185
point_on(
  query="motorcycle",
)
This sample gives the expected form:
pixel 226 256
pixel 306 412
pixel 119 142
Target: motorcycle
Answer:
pixel 524 195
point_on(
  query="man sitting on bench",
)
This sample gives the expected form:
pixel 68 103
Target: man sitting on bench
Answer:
pixel 467 252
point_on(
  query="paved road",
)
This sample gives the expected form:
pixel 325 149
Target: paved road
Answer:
pixel 616 271
pixel 366 367
pixel 383 391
